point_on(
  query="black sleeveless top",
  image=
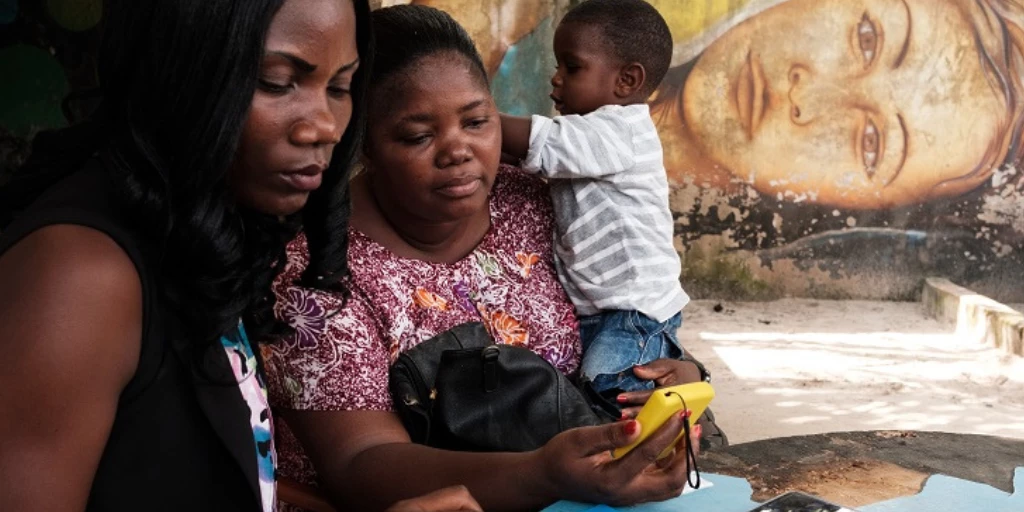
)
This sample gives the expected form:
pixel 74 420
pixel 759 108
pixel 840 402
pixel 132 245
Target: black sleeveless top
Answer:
pixel 179 440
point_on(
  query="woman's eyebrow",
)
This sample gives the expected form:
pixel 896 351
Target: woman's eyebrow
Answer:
pixel 471 105
pixel 903 151
pixel 306 67
pixel 301 64
pixel 906 41
pixel 348 67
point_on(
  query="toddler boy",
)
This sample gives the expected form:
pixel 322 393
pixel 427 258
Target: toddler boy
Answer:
pixel 613 244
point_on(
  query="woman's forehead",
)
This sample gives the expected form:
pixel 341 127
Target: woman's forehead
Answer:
pixel 431 77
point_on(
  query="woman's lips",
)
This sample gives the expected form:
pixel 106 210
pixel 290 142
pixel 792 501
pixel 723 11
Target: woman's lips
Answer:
pixel 460 187
pixel 306 179
pixel 751 94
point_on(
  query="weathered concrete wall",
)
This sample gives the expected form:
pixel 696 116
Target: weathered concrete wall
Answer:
pixel 977 317
pixel 826 148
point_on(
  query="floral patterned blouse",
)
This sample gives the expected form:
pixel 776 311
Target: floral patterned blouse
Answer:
pixel 340 352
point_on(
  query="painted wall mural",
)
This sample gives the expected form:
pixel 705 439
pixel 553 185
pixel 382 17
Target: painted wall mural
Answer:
pixel 860 144
pixel 830 148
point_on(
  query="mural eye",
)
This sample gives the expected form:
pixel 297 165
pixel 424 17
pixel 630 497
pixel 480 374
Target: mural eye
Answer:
pixel 867 37
pixel 869 146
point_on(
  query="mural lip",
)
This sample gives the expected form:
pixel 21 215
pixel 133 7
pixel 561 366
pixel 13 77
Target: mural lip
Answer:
pixel 751 94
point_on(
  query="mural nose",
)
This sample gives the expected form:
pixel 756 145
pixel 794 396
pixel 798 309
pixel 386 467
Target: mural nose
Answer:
pixel 799 113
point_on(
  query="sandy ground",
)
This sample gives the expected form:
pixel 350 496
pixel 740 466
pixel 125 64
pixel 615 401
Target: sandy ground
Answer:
pixel 794 367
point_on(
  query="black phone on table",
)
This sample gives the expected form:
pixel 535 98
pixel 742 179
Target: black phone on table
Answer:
pixel 799 502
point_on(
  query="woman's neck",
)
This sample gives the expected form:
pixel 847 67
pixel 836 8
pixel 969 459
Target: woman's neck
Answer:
pixel 410 236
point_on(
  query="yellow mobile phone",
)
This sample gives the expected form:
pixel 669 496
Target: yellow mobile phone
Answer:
pixel 665 402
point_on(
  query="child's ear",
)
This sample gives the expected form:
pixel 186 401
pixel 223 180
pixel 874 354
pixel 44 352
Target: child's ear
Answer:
pixel 631 80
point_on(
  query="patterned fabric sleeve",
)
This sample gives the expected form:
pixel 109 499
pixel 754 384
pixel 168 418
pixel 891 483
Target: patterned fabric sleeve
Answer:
pixel 335 359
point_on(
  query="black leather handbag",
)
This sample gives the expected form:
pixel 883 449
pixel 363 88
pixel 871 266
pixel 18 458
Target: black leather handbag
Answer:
pixel 460 391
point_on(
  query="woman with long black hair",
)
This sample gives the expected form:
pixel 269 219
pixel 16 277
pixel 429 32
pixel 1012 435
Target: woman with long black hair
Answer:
pixel 138 249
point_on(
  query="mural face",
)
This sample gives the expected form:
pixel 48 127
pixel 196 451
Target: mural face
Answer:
pixel 849 103
pixel 831 148
pixel 849 147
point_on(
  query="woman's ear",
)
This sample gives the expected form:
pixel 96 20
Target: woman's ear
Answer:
pixel 362 162
pixel 631 80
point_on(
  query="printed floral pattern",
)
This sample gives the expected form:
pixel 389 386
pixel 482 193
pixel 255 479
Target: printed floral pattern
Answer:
pixel 341 361
pixel 526 263
pixel 305 316
pixel 504 328
pixel 429 300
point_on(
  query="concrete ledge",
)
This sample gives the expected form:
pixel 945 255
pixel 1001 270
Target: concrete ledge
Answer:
pixel 975 316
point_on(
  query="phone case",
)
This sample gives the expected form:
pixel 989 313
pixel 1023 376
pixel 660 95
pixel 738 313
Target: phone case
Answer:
pixel 665 402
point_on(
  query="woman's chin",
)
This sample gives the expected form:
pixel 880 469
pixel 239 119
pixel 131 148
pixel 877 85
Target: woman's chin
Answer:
pixel 284 205
pixel 463 207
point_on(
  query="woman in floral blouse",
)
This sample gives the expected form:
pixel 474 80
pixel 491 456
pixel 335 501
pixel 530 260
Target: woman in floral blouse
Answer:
pixel 439 236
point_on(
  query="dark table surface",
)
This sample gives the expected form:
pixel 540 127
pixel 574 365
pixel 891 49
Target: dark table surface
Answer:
pixel 857 468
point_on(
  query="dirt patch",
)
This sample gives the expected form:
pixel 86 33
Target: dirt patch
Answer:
pixel 853 483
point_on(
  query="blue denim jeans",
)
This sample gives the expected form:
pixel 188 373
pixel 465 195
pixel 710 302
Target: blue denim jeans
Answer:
pixel 615 341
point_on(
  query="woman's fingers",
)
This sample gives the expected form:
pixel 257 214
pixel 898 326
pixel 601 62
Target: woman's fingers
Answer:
pixel 449 499
pixel 647 452
pixel 629 398
pixel 581 462
pixel 664 479
pixel 603 438
pixel 578 462
pixel 695 433
pixel 630 412
pixel 679 465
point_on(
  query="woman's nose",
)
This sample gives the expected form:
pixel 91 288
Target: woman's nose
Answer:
pixel 319 127
pixel 455 151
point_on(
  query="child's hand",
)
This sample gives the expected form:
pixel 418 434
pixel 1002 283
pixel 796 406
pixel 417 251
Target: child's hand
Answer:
pixel 664 372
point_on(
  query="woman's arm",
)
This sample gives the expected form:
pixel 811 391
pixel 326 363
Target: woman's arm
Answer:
pixel 515 136
pixel 71 311
pixel 365 462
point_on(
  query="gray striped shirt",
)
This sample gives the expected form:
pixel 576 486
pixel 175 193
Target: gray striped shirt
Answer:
pixel 614 228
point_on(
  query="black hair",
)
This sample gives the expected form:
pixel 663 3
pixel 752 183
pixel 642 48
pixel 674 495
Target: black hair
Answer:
pixel 407 33
pixel 177 79
pixel 633 30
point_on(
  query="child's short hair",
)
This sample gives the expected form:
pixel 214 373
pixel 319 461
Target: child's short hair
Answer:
pixel 634 30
